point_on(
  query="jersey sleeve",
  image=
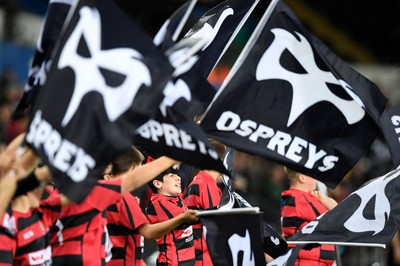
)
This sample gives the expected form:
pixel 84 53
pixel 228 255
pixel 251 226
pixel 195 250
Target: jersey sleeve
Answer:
pixel 193 197
pixel 309 207
pixel 131 215
pixel 104 194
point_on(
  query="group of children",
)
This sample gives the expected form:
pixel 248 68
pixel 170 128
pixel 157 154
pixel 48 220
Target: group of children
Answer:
pixel 41 226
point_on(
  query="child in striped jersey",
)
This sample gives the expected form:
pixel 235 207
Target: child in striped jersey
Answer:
pixel 203 193
pixel 301 204
pixel 176 247
pixel 126 223
pixel 79 236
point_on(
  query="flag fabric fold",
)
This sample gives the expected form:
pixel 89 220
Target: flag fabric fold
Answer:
pixel 53 22
pixel 167 35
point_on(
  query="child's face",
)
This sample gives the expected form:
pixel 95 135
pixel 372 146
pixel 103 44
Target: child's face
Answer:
pixel 171 185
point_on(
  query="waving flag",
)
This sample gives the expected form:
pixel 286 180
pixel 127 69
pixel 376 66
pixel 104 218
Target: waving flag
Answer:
pixel 369 216
pixel 172 131
pixel 106 80
pixel 290 99
pixel 220 25
pixel 233 244
pixel 168 34
pixel 390 124
pixel 57 11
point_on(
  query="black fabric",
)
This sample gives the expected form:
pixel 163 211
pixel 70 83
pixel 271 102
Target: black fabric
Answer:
pixel 26 184
pixel 177 134
pixel 51 28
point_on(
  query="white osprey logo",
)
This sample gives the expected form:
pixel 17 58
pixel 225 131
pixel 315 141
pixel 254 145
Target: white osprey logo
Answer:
pixel 310 88
pixel 207 31
pixel 172 92
pixel 124 61
pixel 237 244
pixel 357 222
pixel 180 89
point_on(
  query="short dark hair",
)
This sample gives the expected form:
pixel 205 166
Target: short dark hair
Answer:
pixel 291 174
pixel 219 147
pixel 160 177
pixel 133 157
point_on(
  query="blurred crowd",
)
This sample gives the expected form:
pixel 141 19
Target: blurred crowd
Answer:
pixel 11 90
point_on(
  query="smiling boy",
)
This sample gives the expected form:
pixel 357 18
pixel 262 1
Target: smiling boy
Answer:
pixel 176 247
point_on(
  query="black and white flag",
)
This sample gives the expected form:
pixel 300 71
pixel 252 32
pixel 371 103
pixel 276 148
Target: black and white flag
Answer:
pixel 233 244
pixel 53 22
pixel 219 26
pixel 172 131
pixel 290 99
pixel 106 80
pixel 369 216
pixel 390 124
pixel 169 32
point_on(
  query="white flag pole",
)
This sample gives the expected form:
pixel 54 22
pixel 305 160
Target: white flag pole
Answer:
pixel 178 29
pixel 252 210
pixel 337 243
pixel 246 50
pixel 244 19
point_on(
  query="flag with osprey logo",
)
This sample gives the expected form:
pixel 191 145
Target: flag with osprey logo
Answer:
pixel 290 99
pixel 369 216
pixel 390 124
pixel 217 27
pixel 172 130
pixel 190 93
pixel 106 80
pixel 170 30
pixel 57 11
pixel 220 25
pixel 233 244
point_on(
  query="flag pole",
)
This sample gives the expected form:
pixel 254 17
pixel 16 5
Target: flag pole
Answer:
pixel 323 189
pixel 350 244
pixel 252 210
pixel 178 29
pixel 233 36
pixel 246 50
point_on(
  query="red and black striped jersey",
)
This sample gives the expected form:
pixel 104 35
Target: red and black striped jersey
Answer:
pixel 32 232
pixel 203 193
pixel 298 208
pixel 176 247
pixel 123 218
pixel 78 237
pixel 7 240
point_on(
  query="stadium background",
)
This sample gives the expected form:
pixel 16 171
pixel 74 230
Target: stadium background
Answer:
pixel 365 33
